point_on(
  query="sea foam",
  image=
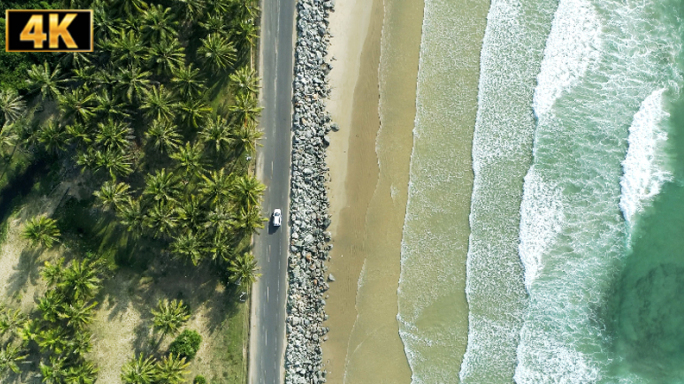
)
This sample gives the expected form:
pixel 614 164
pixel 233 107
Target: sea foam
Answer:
pixel 644 170
pixel 572 231
pixel 573 46
pixel 511 55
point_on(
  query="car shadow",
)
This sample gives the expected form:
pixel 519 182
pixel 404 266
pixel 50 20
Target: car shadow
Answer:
pixel 272 228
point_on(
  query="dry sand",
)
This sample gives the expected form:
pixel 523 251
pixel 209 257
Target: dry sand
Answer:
pixel 373 81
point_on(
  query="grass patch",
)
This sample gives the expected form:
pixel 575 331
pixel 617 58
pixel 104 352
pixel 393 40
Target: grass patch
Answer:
pixel 234 367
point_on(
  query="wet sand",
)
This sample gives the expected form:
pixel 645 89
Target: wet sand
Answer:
pixel 374 85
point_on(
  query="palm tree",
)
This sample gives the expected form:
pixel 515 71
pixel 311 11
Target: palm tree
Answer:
pixel 187 81
pixel 132 217
pixel 188 246
pixel 53 273
pixel 75 59
pixel 216 187
pixel 159 24
pixel 162 219
pixel 104 22
pixel 115 162
pixel 219 248
pixel 44 81
pixel 11 320
pixel 215 24
pixel 132 23
pixel 191 213
pixel 55 372
pixel 9 134
pixel 81 343
pixel 249 219
pixel 114 135
pixel 112 194
pixel 245 111
pixel 29 332
pixel 189 10
pixel 77 103
pixel 244 81
pixel 85 75
pixel 244 9
pixel 163 135
pixel 166 56
pixel 103 77
pixel 248 190
pixel 139 371
pixel 129 7
pixel 172 369
pixel 194 112
pixel 108 106
pixel 84 372
pixel 50 305
pixel 127 48
pixel 170 316
pixel 78 315
pixel 158 103
pixel 244 33
pixel 81 280
pixel 52 136
pixel 132 82
pixel 12 105
pixel 216 134
pixel 162 186
pixel 190 159
pixel 246 138
pixel 217 52
pixel 41 230
pixel 244 269
pixel 9 357
pixel 53 340
pixel 219 219
pixel 220 6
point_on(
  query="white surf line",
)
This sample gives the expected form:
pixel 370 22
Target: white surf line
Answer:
pixel 644 170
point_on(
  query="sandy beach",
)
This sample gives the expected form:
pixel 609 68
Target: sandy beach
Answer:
pixel 373 101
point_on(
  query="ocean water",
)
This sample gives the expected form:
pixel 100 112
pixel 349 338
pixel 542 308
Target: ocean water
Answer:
pixel 512 52
pixel 601 157
pixel 575 258
pixel 433 312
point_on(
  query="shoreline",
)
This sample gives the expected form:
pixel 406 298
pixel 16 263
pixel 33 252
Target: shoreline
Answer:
pixel 373 100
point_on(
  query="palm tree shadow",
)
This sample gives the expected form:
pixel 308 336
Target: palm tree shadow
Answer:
pixel 144 339
pixel 26 376
pixel 117 305
pixel 26 271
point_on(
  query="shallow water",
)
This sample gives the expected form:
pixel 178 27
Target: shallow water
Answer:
pixel 433 313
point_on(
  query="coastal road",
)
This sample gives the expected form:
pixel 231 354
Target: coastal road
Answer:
pixel 269 294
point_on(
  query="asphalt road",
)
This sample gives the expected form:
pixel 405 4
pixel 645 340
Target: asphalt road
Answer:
pixel 269 294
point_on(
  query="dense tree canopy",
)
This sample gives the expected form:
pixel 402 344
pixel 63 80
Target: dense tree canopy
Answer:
pixel 161 120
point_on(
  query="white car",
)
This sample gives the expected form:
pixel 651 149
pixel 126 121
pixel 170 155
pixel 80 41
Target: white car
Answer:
pixel 277 218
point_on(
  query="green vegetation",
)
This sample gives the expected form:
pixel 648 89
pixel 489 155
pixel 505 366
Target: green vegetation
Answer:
pixel 171 369
pixel 13 66
pixel 160 124
pixel 41 230
pixel 199 379
pixel 169 317
pixel 186 344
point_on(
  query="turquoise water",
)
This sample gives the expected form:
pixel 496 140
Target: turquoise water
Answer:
pixel 575 261
pixel 601 157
